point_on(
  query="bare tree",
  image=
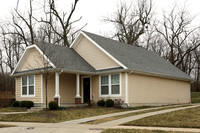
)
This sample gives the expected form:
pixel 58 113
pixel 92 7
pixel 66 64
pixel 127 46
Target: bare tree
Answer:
pixel 131 22
pixel 66 32
pixel 24 25
pixel 177 34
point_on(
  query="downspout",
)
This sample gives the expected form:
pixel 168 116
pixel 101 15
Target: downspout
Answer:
pixel 127 88
pixel 60 72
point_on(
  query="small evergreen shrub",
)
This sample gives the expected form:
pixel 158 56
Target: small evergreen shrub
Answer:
pixel 109 103
pixel 53 105
pixel 16 104
pixel 29 104
pixel 101 103
pixel 23 104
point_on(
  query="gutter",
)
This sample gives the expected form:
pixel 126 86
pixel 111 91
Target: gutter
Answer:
pixel 97 73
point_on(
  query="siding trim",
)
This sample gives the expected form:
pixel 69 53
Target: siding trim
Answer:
pixel 126 88
pixel 41 88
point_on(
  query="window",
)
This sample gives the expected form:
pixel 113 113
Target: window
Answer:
pixel 110 85
pixel 28 86
pixel 104 85
pixel 115 84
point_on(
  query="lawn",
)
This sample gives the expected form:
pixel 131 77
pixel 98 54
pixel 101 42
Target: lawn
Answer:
pixel 98 121
pixel 195 97
pixel 12 109
pixel 188 118
pixel 136 131
pixel 60 115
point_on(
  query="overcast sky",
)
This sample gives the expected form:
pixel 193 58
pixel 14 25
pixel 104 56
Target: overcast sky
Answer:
pixel 93 10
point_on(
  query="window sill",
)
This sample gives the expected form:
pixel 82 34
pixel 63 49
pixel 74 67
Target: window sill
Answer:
pixel 27 95
pixel 110 95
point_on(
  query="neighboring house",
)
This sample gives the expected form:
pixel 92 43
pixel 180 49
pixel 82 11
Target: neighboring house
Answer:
pixel 95 67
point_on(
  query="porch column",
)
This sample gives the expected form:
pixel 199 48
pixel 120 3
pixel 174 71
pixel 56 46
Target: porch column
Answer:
pixel 77 97
pixel 57 94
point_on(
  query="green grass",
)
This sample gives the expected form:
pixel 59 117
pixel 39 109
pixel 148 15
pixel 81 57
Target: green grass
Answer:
pixel 188 118
pixel 59 115
pixel 195 97
pixel 98 121
pixel 12 109
pixel 137 131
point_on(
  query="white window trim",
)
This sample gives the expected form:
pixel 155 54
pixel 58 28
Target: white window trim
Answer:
pixel 28 87
pixel 109 86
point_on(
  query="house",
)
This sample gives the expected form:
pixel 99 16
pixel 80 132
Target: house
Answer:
pixel 95 67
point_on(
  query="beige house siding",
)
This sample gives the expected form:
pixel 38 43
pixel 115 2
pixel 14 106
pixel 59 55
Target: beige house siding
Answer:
pixel 33 60
pixel 67 88
pixel 37 98
pixel 156 90
pixel 96 85
pixel 50 88
pixel 93 55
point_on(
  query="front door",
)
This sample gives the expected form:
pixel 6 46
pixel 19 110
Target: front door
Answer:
pixel 86 90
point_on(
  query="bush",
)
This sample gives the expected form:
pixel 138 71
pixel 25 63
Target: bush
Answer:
pixel 101 103
pixel 53 105
pixel 16 104
pixel 23 104
pixel 29 104
pixel 118 103
pixel 109 103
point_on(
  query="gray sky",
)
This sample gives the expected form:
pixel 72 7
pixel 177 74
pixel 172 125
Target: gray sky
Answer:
pixel 93 10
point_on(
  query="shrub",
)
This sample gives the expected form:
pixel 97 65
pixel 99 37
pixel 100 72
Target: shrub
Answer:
pixel 16 104
pixel 53 105
pixel 109 103
pixel 101 103
pixel 23 104
pixel 29 104
pixel 118 103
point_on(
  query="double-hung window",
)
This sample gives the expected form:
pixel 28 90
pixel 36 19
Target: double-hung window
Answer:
pixel 28 88
pixel 110 85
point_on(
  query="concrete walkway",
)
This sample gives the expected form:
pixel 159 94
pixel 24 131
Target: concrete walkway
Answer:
pixel 10 113
pixel 73 127
pixel 79 121
pixel 136 117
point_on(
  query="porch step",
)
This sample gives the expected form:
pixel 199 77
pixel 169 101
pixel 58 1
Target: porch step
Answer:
pixel 35 109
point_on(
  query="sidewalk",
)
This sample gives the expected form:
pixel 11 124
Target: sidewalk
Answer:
pixel 10 113
pixel 78 121
pixel 136 117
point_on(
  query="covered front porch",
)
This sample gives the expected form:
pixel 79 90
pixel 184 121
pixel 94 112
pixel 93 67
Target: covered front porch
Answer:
pixel 68 89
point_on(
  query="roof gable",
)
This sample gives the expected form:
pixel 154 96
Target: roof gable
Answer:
pixel 32 58
pixel 83 35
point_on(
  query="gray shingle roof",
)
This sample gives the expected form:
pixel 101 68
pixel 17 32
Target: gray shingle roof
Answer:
pixel 138 59
pixel 64 57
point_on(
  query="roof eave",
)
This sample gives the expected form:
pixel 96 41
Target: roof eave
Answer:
pixel 159 75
